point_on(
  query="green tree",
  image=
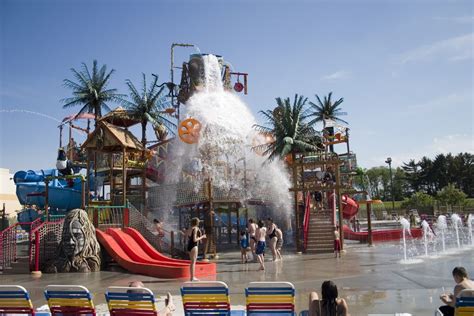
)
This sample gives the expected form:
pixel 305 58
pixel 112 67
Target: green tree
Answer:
pixel 290 133
pixel 90 91
pixel 326 110
pixel 450 195
pixel 147 106
pixel 420 201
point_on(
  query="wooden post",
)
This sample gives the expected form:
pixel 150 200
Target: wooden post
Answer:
pixel 124 176
pixel 172 243
pixel 126 217
pixel 229 224
pixel 88 163
pixel 338 193
pixel 111 185
pixel 46 198
pixel 83 193
pixel 369 224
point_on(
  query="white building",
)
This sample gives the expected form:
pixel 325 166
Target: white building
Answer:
pixel 7 192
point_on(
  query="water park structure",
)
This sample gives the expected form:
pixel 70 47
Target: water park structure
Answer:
pixel 211 169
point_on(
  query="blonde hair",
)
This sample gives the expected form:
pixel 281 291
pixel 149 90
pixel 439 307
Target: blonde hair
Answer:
pixel 195 221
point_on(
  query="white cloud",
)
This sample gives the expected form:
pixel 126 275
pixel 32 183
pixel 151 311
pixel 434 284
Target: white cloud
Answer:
pixel 454 144
pixel 338 75
pixel 453 49
pixel 450 101
pixel 456 19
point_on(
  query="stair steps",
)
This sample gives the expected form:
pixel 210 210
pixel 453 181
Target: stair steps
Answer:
pixel 321 232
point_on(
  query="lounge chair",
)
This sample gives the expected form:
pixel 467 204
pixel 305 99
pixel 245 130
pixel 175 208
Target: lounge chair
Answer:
pixel 465 303
pixel 205 298
pixel 275 298
pixel 66 300
pixel 129 301
pixel 15 299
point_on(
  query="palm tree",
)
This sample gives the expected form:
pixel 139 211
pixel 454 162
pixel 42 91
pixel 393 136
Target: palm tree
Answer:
pixel 286 126
pixel 290 135
pixel 326 110
pixel 148 106
pixel 90 91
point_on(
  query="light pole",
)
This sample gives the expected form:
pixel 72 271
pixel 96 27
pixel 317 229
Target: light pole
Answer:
pixel 389 162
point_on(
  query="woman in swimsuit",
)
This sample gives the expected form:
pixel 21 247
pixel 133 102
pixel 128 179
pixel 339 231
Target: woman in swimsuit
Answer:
pixel 193 241
pixel 271 231
pixel 330 304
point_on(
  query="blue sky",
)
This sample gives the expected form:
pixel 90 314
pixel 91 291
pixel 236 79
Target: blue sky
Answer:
pixel 404 68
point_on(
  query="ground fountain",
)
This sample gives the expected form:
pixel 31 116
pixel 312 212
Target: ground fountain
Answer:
pixel 457 223
pixel 427 234
pixel 406 228
pixel 470 219
pixel 442 226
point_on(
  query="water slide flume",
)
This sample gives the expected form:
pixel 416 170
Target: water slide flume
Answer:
pixel 133 253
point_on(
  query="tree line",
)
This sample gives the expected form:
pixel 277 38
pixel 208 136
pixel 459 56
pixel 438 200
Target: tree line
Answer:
pixel 445 174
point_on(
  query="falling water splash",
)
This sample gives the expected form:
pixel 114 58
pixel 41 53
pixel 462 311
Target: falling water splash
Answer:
pixel 442 225
pixel 223 152
pixel 456 222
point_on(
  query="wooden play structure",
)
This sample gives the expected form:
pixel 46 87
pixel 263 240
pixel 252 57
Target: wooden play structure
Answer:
pixel 322 185
pixel 116 160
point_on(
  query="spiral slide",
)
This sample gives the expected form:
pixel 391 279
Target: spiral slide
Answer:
pixel 133 253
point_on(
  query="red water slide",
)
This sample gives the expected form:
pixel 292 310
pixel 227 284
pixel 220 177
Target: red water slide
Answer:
pixel 133 253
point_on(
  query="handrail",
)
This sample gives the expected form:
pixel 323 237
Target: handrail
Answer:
pixel 307 212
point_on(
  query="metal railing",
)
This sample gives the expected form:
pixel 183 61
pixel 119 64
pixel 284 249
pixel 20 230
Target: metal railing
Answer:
pixel 307 211
pixel 9 238
pixel 44 241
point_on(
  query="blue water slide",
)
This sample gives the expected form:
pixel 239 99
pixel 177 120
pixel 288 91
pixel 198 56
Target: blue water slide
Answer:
pixel 62 194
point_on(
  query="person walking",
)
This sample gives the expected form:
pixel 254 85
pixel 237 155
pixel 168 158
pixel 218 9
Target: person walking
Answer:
pixel 279 243
pixel 244 245
pixel 337 242
pixel 252 229
pixel 271 232
pixel 193 235
pixel 260 248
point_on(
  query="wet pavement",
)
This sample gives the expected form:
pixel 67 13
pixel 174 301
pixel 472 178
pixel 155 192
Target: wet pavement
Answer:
pixel 372 280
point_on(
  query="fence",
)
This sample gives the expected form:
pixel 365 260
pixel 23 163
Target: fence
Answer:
pixel 44 241
pixel 9 238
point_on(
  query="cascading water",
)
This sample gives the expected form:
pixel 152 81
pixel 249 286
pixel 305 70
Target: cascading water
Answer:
pixel 456 220
pixel 223 152
pixel 470 219
pixel 442 226
pixel 405 228
pixel 426 235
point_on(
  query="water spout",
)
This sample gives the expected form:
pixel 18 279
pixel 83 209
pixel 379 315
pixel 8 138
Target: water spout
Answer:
pixel 456 222
pixel 426 234
pixel 405 228
pixel 442 226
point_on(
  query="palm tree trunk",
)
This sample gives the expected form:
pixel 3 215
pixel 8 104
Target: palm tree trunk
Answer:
pixel 297 211
pixel 144 134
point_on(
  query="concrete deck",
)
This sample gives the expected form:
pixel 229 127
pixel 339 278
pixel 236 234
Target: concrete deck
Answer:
pixel 372 280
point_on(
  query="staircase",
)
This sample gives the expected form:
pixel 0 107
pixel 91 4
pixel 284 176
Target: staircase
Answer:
pixel 320 232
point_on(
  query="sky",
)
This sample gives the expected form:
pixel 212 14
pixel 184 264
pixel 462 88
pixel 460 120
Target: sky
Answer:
pixel 404 68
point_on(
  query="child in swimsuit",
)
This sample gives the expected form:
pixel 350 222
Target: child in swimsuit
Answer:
pixel 244 245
